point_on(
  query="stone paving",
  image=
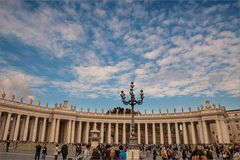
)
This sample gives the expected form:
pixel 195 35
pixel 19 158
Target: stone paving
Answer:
pixel 29 155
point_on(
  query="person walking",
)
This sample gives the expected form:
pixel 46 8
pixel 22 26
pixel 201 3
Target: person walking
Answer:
pixel 44 151
pixel 64 151
pixel 38 151
pixel 56 152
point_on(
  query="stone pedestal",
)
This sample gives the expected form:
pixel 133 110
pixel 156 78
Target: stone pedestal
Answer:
pixel 95 138
pixel 133 154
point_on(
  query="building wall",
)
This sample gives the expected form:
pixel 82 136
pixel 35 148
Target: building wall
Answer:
pixel 208 124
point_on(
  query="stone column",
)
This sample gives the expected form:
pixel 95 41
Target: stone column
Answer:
pixel 169 134
pixel 154 133
pixel 109 133
pixel 219 132
pixel 226 138
pixel 139 135
pixel 5 135
pixel 146 133
pixel 12 128
pixel 193 133
pixel 3 122
pixel 116 133
pixel 205 132
pixel 26 128
pixel 87 132
pixel 124 133
pixel 185 139
pixel 79 132
pixel 201 134
pixel 57 131
pixel 35 129
pixel 177 133
pixel 73 132
pixel 161 134
pixel 53 127
pixel 43 130
pixel 17 128
pixel 102 133
pixel 69 127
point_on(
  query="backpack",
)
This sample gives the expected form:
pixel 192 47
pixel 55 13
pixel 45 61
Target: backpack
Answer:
pixel 163 154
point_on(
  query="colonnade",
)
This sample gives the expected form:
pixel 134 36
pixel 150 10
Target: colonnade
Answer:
pixel 24 127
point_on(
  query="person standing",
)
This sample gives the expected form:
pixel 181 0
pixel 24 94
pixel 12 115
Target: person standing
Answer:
pixel 122 153
pixel 44 152
pixel 38 151
pixel 64 151
pixel 56 152
pixel 7 145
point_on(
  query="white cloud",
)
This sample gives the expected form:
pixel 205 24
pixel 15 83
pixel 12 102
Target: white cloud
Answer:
pixel 100 74
pixel 153 54
pixel 17 83
pixel 40 28
pixel 100 12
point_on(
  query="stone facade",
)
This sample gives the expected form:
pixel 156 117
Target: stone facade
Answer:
pixel 61 124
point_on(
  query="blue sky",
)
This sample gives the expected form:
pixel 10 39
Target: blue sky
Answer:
pixel 180 53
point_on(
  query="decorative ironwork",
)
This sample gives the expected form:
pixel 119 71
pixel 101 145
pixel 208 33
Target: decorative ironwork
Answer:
pixel 132 102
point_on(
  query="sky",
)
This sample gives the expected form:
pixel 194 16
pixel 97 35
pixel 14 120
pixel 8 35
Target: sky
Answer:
pixel 180 53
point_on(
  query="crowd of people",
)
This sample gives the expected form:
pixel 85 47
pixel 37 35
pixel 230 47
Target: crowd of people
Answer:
pixel 119 152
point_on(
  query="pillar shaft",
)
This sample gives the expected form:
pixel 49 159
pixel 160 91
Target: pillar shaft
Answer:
pixel 185 139
pixel 124 133
pixel 53 127
pixel 6 130
pixel 201 134
pixel 226 138
pixel 177 133
pixel 57 131
pixel 102 133
pixel 193 133
pixel 87 132
pixel 154 133
pixel 205 132
pixel 73 132
pixel 116 133
pixel 146 133
pixel 139 135
pixel 169 134
pixel 35 129
pixel 109 133
pixel 16 128
pixel 219 132
pixel 43 130
pixel 161 134
pixel 69 127
pixel 79 132
pixel 26 129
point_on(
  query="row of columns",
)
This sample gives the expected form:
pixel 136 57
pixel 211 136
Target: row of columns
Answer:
pixel 75 128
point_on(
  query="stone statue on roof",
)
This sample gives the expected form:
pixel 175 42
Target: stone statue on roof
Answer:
pixel 13 97
pixel 3 95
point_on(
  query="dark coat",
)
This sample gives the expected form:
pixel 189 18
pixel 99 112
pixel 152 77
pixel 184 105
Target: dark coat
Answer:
pixel 64 149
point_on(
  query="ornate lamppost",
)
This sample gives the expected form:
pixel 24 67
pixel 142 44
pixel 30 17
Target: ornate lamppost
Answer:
pixel 133 139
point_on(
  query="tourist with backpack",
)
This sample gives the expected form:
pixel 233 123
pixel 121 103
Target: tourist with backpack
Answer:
pixel 164 154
